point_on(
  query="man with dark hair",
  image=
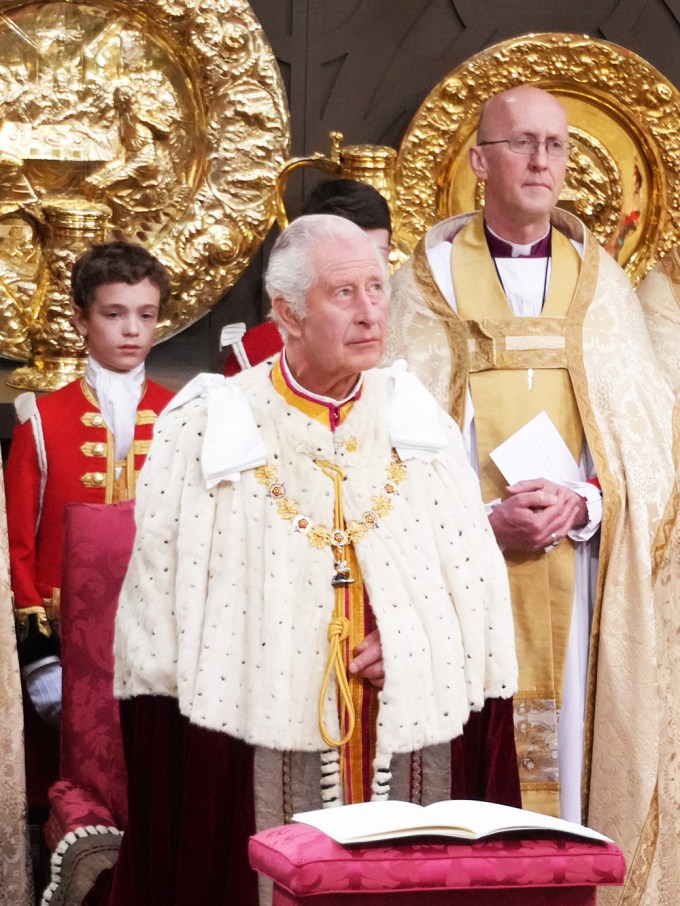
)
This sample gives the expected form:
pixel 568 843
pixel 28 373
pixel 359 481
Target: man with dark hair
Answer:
pixel 355 201
pixel 83 443
pixel 348 198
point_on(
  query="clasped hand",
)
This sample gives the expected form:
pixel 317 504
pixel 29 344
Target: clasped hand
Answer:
pixel 535 514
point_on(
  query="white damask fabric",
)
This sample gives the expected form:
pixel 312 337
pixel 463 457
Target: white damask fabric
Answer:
pixel 659 294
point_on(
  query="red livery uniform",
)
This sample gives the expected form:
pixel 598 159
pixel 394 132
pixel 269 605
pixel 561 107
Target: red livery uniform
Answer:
pixel 78 466
pixel 259 343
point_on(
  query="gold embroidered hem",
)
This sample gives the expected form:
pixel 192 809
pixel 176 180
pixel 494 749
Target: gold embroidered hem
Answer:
pixel 536 722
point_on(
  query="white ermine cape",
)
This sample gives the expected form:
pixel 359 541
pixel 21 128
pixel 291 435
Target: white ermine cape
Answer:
pixel 226 603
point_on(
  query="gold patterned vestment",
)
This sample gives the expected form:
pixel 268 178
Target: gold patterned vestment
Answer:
pixel 659 295
pixel 545 586
pixel 625 408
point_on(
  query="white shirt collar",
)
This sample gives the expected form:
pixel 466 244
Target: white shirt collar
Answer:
pixel 303 391
pixel 118 395
pixel 517 248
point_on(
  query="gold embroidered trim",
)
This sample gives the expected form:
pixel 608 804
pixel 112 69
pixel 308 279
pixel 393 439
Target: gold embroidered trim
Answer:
pixel 121 487
pixel 585 292
pixel 92 448
pixel 664 533
pixel 146 417
pixel 93 479
pixel 320 536
pixel 453 329
pixel 504 343
pixel 536 719
pixel 641 863
pixel 53 606
pixel 92 420
pixel 21 615
pixel 534 786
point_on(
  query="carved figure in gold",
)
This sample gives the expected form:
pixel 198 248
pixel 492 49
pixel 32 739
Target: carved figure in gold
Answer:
pixel 139 177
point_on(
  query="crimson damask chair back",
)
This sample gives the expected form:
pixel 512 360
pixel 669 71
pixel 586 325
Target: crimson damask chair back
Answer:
pixel 89 801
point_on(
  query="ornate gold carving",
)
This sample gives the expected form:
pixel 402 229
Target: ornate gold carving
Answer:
pixel 170 112
pixel 64 227
pixel 623 178
pixel 671 266
pixel 372 164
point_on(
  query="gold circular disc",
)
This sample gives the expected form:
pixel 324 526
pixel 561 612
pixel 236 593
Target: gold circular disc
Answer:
pixel 171 112
pixel 623 178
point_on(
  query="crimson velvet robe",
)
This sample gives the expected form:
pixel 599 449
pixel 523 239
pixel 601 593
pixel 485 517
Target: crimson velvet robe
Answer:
pixel 191 805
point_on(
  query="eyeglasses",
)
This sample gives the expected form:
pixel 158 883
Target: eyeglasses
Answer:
pixel 554 147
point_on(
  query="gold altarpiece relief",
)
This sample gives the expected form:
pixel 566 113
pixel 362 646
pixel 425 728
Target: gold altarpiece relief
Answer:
pixel 163 121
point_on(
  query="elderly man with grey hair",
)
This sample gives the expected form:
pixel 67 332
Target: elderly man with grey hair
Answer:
pixel 316 611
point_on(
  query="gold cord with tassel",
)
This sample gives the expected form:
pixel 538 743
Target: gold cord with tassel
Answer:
pixel 338 628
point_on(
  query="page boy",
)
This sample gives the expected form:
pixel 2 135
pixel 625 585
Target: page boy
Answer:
pixel 83 443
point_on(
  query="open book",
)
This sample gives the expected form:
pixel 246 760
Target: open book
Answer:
pixel 366 822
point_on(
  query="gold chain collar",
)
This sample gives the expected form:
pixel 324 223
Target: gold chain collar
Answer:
pixel 337 539
pixel 320 536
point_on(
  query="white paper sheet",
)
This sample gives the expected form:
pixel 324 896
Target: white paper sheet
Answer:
pixel 537 450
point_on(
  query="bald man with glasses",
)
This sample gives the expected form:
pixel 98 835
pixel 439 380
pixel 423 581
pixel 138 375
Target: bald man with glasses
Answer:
pixel 513 314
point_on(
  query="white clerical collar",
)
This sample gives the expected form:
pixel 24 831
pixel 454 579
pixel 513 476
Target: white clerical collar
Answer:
pixel 118 395
pixel 303 391
pixel 517 250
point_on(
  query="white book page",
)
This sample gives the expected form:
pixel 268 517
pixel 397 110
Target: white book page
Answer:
pixel 463 818
pixel 537 450
pixel 363 820
pixel 486 818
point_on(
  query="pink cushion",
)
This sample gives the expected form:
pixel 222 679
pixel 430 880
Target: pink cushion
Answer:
pixel 303 861
pixel 98 541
